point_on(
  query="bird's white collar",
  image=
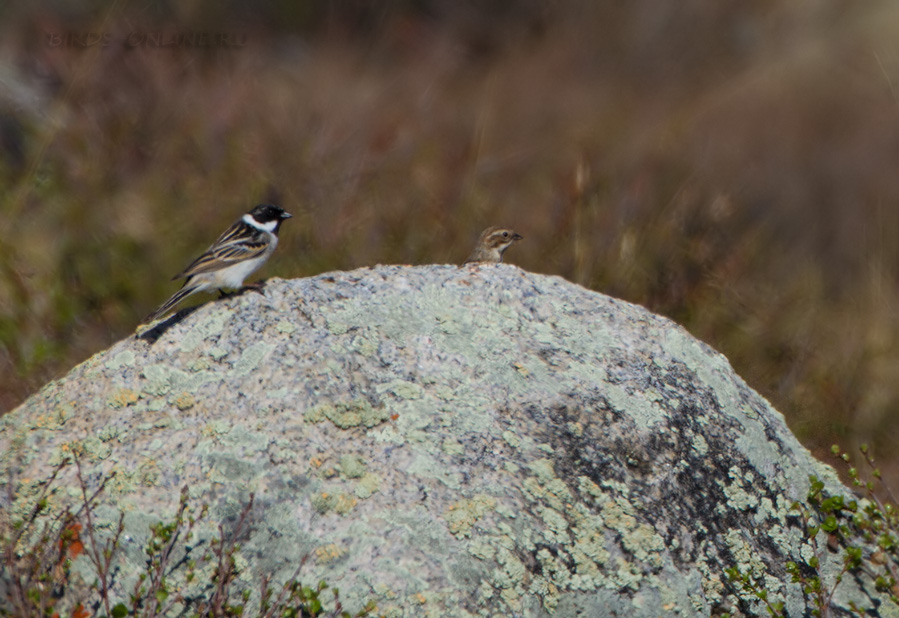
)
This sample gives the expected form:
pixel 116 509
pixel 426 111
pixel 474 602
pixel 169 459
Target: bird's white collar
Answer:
pixel 265 227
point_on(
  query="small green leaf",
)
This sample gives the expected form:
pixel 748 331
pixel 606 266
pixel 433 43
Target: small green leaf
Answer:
pixel 120 611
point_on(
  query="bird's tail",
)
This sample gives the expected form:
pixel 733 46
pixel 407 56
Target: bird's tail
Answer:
pixel 176 298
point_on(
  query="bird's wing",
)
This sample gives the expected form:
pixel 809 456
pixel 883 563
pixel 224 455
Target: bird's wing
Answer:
pixel 240 242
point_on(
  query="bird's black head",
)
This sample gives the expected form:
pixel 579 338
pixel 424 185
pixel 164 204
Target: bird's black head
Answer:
pixel 269 212
pixel 269 216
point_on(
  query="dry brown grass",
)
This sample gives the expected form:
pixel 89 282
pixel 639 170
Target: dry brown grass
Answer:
pixel 731 167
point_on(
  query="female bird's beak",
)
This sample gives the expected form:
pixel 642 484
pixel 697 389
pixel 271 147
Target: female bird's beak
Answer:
pixel 517 236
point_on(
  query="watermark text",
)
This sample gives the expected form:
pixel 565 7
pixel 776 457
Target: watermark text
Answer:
pixel 147 40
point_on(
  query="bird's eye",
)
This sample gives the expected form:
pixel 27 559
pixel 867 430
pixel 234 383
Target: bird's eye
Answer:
pixel 505 234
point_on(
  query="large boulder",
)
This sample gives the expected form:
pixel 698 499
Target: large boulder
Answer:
pixel 476 441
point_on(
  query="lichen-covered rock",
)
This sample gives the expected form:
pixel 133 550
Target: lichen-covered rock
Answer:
pixel 452 442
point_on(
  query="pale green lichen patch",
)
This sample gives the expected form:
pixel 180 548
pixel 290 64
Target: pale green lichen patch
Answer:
pixel 589 550
pixel 156 405
pixel 26 498
pixel 325 554
pixel 217 427
pixel 700 445
pixel 368 485
pixel 426 466
pixel 108 433
pixel 123 482
pixel 388 434
pixel 576 429
pixel 461 516
pixel 738 497
pixel 352 466
pixel 217 353
pixel 364 346
pixel 284 327
pixel 511 439
pixel 545 488
pixel 646 413
pixel 509 578
pixel 645 544
pixel 748 561
pixel 160 379
pixel 582 560
pixel 339 502
pixel 149 473
pixel 90 448
pixel 451 446
pixel 209 324
pixel 356 413
pixel 122 397
pixel 444 392
pixel 556 526
pixel 200 364
pixel 482 549
pixel 446 323
pixel 403 389
pixel 588 487
pixel 543 470
pixel 125 358
pixel 95 449
pixel 251 357
pixel 184 401
pixel 554 572
pixel 338 328
pixel 51 420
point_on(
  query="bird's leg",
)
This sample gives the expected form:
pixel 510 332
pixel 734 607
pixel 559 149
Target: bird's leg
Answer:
pixel 256 287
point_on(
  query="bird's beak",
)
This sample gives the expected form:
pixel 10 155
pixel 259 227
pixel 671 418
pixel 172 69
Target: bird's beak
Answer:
pixel 286 215
pixel 517 236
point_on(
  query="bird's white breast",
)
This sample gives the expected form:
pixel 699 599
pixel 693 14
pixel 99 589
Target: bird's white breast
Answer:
pixel 232 277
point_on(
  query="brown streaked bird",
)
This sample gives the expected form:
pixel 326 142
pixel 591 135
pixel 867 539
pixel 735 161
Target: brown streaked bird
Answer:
pixel 244 247
pixel 492 244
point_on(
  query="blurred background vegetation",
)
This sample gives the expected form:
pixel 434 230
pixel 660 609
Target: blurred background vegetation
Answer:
pixel 730 165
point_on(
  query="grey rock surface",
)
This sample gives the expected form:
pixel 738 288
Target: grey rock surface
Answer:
pixel 452 442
